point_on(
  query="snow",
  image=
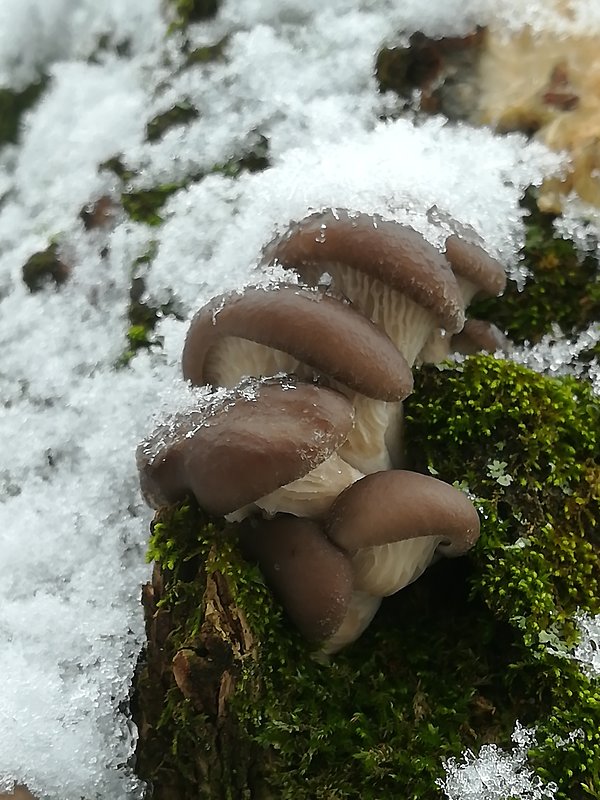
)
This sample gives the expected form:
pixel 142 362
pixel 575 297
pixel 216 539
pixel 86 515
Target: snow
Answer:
pixel 587 651
pixel 559 354
pixel 73 525
pixel 496 774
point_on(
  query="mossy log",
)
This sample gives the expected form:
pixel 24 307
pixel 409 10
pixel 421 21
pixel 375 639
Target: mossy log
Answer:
pixel 231 703
pixel 200 675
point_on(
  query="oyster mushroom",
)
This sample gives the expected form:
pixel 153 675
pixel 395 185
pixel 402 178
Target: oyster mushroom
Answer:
pixel 304 331
pixel 393 524
pixel 479 336
pixel 312 578
pixel 477 274
pixel 388 271
pixel 246 444
pixel 265 332
pixel 393 276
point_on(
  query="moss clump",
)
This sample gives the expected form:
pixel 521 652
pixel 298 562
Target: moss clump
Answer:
pixel 141 314
pixel 187 11
pixel 564 288
pixel 44 268
pixel 440 70
pixel 528 448
pixel 12 107
pixel 449 663
pixel 179 114
pixel 144 205
pixel 207 53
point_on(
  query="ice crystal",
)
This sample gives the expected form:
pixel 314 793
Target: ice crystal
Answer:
pixel 587 650
pixel 559 354
pixel 496 774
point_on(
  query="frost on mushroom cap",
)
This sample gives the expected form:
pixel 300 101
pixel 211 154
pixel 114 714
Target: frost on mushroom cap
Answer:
pixel 392 523
pixel 310 327
pixel 309 574
pixel 476 271
pixel 388 270
pixel 243 446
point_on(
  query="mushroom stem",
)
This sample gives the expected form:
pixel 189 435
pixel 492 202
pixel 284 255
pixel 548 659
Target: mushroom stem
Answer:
pixel 374 443
pixel 361 610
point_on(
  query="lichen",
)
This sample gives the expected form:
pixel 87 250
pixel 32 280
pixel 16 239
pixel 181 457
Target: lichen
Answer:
pixel 450 662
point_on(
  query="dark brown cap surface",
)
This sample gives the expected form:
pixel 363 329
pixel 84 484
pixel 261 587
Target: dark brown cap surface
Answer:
pixel 472 263
pixel 390 506
pixel 311 577
pixel 395 254
pixel 321 331
pixel 244 446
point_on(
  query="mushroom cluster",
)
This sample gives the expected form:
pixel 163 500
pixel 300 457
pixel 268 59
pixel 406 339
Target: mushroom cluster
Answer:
pixel 300 438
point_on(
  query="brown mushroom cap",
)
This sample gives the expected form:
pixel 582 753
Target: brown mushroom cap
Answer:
pixel 311 577
pixel 478 336
pixel 396 505
pixel 395 254
pixel 244 445
pixel 321 331
pixel 471 262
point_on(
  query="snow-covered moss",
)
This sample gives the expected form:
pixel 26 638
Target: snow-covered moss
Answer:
pixel 563 288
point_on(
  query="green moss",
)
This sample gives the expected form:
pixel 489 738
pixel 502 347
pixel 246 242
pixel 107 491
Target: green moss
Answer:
pixel 144 205
pixel 45 268
pixel 141 314
pixel 451 661
pixel 179 114
pixel 12 107
pixel 537 562
pixel 564 288
pixel 117 167
pixel 187 11
pixel 207 53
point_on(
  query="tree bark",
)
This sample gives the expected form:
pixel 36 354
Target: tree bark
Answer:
pixel 192 683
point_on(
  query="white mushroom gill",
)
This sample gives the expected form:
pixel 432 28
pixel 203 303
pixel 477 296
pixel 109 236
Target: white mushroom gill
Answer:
pixel 385 569
pixel 406 322
pixel 310 496
pixel 232 358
